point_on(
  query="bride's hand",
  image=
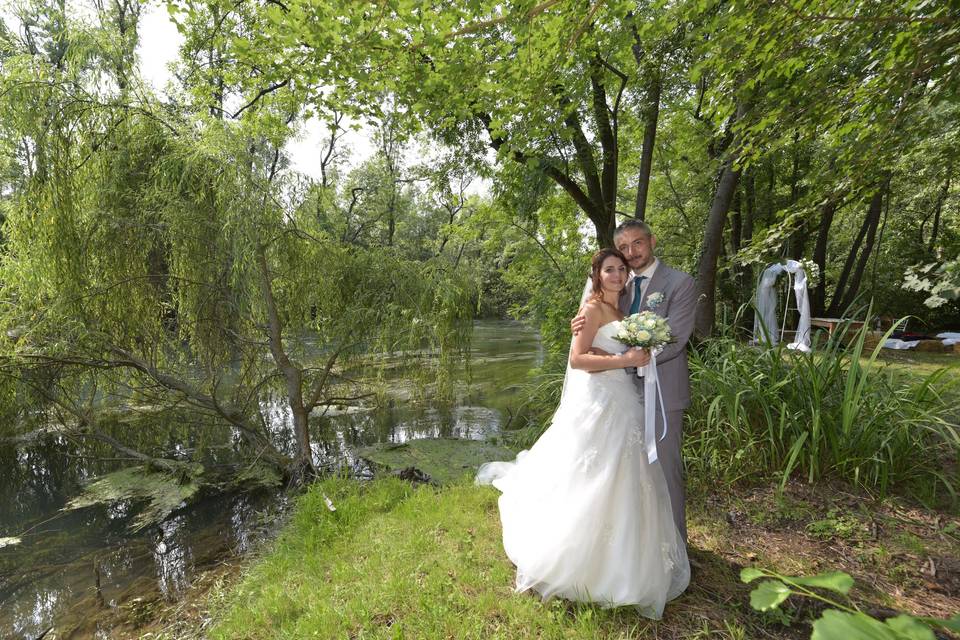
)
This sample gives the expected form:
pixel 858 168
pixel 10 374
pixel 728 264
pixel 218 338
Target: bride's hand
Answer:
pixel 637 357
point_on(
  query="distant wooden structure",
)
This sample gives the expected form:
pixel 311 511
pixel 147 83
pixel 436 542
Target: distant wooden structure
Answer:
pixel 831 324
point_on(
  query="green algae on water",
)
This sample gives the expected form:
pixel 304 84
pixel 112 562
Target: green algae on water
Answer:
pixel 163 493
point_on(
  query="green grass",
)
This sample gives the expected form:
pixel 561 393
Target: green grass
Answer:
pixel 919 362
pixel 395 561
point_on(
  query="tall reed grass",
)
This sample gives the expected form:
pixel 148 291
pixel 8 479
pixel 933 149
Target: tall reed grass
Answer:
pixel 835 412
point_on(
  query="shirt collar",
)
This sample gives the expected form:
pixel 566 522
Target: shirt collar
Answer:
pixel 648 272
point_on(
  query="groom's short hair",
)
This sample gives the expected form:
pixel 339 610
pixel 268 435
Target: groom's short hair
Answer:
pixel 633 223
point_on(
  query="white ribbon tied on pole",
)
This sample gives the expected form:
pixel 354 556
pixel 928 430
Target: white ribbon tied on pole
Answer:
pixel 652 395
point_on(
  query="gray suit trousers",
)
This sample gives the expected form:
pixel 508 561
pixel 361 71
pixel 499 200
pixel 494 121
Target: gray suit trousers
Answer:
pixel 671 462
pixel 668 455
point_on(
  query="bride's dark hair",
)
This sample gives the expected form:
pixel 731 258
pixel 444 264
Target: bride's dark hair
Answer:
pixel 595 266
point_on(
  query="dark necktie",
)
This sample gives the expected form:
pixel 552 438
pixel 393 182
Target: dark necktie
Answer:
pixel 635 305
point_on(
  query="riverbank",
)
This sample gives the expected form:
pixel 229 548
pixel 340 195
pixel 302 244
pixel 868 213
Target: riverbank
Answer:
pixel 395 560
pixel 77 572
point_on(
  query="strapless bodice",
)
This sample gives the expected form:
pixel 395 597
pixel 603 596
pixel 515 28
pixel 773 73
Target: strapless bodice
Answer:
pixel 604 338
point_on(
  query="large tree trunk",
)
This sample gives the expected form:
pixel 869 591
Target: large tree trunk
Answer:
pixel 706 311
pixel 292 376
pixel 608 134
pixel 827 214
pixel 597 197
pixel 849 283
pixel 651 115
pixel 590 201
pixel 712 241
pixel 874 213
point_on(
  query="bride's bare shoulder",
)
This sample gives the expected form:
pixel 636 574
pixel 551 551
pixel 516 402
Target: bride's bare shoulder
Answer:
pixel 591 309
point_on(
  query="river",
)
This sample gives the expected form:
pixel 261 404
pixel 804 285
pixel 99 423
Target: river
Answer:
pixel 72 565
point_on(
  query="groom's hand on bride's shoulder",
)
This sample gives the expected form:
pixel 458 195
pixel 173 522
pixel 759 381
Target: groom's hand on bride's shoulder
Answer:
pixel 577 323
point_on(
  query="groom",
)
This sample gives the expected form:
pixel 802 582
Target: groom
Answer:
pixel 653 286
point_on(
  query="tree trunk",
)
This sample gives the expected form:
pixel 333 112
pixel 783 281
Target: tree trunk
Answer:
pixel 604 229
pixel 750 206
pixel 798 239
pixel 736 222
pixel 292 375
pixel 938 210
pixel 745 271
pixel 651 115
pixel 770 201
pixel 597 197
pixel 845 293
pixel 608 134
pixel 827 214
pixel 215 64
pixel 712 240
pixel 874 214
pixel 705 314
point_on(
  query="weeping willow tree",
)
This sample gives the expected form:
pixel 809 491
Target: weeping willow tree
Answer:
pixel 155 257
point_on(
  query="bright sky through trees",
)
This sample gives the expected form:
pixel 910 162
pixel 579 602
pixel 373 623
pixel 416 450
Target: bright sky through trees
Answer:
pixel 159 44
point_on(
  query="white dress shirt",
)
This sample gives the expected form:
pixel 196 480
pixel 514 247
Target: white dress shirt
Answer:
pixel 647 273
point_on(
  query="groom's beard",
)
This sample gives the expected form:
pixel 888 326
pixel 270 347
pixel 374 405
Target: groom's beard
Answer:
pixel 638 270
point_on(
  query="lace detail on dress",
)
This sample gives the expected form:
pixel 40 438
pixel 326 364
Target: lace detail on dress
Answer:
pixel 666 551
pixel 606 534
pixel 587 460
pixel 634 444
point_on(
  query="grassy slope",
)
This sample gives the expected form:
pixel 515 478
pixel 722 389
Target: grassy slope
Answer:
pixel 394 562
pixel 400 562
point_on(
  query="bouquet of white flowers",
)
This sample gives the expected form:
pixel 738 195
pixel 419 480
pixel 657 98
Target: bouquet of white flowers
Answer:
pixel 646 330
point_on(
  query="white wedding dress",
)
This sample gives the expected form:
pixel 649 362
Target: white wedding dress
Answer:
pixel 585 516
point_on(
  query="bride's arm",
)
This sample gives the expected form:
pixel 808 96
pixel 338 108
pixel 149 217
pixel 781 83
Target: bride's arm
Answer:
pixel 582 358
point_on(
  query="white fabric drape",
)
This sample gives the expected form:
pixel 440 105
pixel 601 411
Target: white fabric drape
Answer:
pixel 949 338
pixel 766 329
pixel 893 343
pixel 571 372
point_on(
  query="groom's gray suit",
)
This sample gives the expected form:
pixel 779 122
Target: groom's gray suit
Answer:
pixel 679 300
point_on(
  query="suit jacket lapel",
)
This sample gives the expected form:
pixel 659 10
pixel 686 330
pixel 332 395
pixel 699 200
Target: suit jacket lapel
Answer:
pixel 657 282
pixel 626 299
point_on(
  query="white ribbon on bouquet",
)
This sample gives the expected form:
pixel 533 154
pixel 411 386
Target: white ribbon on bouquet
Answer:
pixel 651 395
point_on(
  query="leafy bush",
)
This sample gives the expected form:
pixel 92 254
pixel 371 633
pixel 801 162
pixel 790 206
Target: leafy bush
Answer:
pixel 842 621
pixel 832 412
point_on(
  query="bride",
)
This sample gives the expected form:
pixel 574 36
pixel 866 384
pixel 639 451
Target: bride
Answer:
pixel 585 516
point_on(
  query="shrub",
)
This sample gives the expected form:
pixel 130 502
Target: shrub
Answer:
pixel 832 412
